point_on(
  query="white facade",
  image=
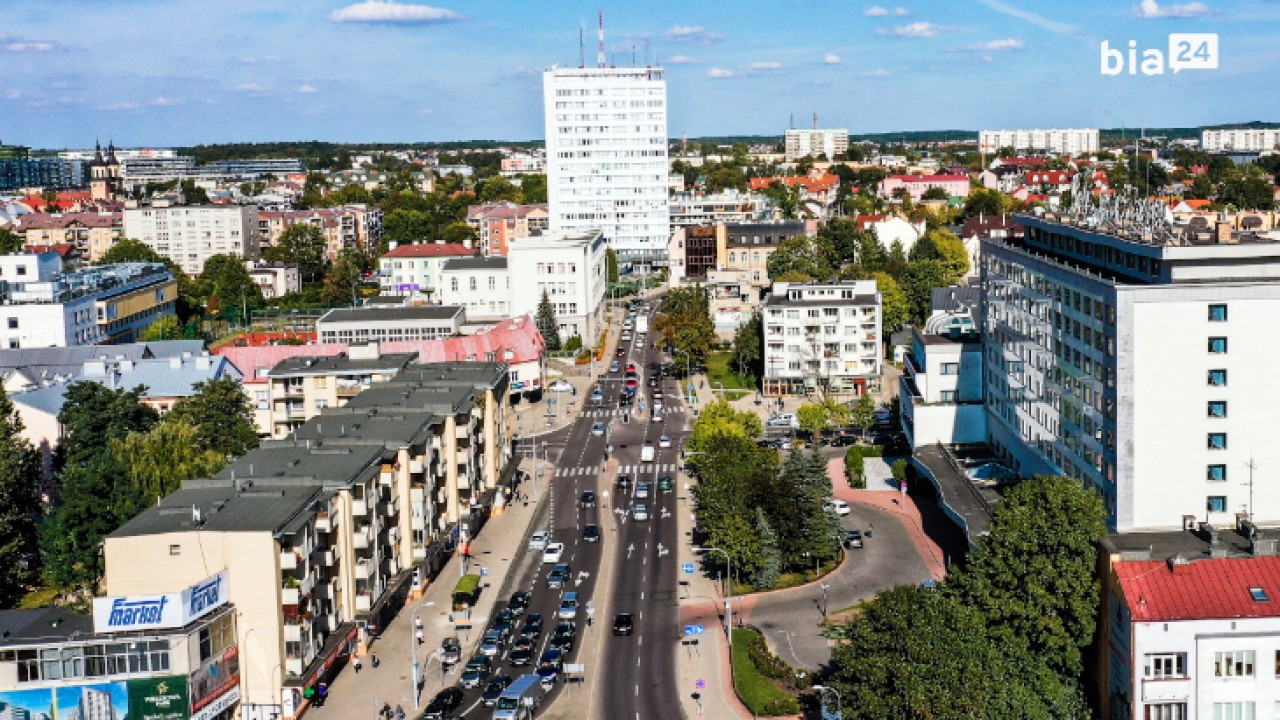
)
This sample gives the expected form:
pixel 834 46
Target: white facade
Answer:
pixel 570 269
pixel 275 279
pixel 191 234
pixel 941 390
pixel 1240 139
pixel 822 336
pixel 898 230
pixel 481 285
pixel 1067 141
pixel 606 136
pixel 815 142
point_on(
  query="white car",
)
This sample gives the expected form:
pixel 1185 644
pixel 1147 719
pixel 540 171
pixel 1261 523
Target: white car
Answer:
pixel 640 512
pixel 787 420
pixel 664 442
pixel 840 507
pixel 553 553
pixel 597 429
pixel 560 386
pixel 539 540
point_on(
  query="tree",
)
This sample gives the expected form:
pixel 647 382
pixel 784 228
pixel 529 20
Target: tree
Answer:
pixel 304 245
pixel 155 463
pixel 130 250
pixel 817 417
pixel 10 242
pixel 611 265
pixel 343 278
pixel 855 467
pixel 769 565
pixel 748 347
pixel 533 189
pixel 1032 576
pixel 167 327
pixel 918 282
pixel 982 201
pixel 685 324
pixel 406 227
pixel 935 193
pixel 944 246
pixel 863 413
pixel 718 420
pixel 894 309
pixel 786 198
pixel 226 283
pixel 545 319
pixel 19 507
pixel 1251 193
pixel 810 257
pixel 498 188
pixel 194 194
pixel 222 416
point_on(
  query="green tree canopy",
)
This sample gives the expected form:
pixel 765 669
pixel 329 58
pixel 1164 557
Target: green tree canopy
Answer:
pixel 685 323
pixel 810 257
pixel 918 282
pixel 155 463
pixel 10 242
pixel 720 419
pixel 748 347
pixel 894 308
pixel 304 245
pixel 222 416
pixel 130 250
pixel 547 324
pixel 167 327
pixel 19 507
pixel 611 265
pixel 226 283
pixel 343 278
pixel 816 418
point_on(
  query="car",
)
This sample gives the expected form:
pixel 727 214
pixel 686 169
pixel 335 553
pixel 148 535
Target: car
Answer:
pixel 647 452
pixel 631 367
pixel 450 651
pixel 597 429
pixel 532 626
pixel 657 413
pixel 519 603
pixel 549 665
pixel 591 533
pixel 522 651
pixel 853 539
pixel 559 576
pixel 588 499
pixel 503 622
pixel 597 395
pixel 444 703
pixel 631 385
pixel 657 396
pixel 568 607
pixel 553 552
pixel 620 353
pixel 614 366
pixel 642 491
pixel 626 337
pixel 624 481
pixel 563 636
pixel 786 420
pixel 626 398
pixel 640 512
pixel 624 624
pixel 839 507
pixel 664 441
pixel 664 484
pixel 539 540
pixel 491 645
pixel 653 381
pixel 560 386
pixel 475 672
pixel 494 689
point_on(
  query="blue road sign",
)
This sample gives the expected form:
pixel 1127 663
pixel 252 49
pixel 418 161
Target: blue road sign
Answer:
pixel 701 684
pixel 687 568
pixel 484 571
pixel 693 629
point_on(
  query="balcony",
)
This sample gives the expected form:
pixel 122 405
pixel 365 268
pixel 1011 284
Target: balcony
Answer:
pixel 363 570
pixel 362 537
pixel 364 601
pixel 325 520
pixel 390 508
pixel 359 508
pixel 308 584
pixel 290 596
pixel 293 666
pixel 387 476
pixel 327 623
pixel 329 556
pixel 325 590
pixel 416 467
pixel 292 633
pixel 288 559
pixel 393 536
pixel 1166 689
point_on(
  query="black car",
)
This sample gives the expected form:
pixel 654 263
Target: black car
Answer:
pixel 444 703
pixel 591 533
pixel 477 669
pixel 853 539
pixel 588 499
pixel 558 576
pixel 624 481
pixel 624 624
pixel 532 626
pixel 564 636
pixel 518 603
pixel 522 652
pixel 494 689
pixel 504 623
pixel 625 399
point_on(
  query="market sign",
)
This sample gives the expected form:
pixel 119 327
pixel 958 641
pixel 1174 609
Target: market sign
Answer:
pixel 165 610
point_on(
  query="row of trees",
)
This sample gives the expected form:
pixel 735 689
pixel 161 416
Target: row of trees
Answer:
pixel 1002 637
pixel 117 456
pixel 766 514
pixel 685 324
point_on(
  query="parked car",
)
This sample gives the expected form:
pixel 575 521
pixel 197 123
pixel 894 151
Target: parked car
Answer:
pixel 553 553
pixel 787 420
pixel 560 386
pixel 443 704
pixel 840 507
pixel 450 651
pixel 624 624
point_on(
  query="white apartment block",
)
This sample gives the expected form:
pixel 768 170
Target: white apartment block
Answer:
pixel 275 279
pixel 815 142
pixel 941 386
pixel 191 234
pixel 570 268
pixel 1240 139
pixel 481 285
pixel 606 136
pixel 1148 376
pixel 1068 141
pixel 822 338
pixel 389 323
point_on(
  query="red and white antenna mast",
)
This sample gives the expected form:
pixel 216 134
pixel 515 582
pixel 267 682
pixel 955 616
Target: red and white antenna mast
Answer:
pixel 600 51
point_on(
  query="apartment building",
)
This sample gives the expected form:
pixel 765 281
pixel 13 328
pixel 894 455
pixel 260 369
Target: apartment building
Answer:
pixel 303 387
pixel 1060 141
pixel 606 138
pixel 381 323
pixel 691 208
pixel 1240 139
pixel 413 271
pixel 191 234
pixel 740 248
pixel 917 185
pixel 499 224
pixel 521 163
pixel 569 268
pixel 941 384
pixel 1139 366
pixel 92 234
pixel 41 306
pixel 481 285
pixel 815 142
pixel 275 279
pixel 355 226
pixel 822 338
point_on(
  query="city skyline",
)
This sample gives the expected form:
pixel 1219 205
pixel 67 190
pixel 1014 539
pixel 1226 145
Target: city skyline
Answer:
pixel 144 72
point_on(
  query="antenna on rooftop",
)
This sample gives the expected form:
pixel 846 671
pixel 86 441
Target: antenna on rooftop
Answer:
pixel 582 44
pixel 815 120
pixel 600 49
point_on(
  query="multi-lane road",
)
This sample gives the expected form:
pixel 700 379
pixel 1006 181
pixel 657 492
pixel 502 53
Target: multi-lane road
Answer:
pixel 635 673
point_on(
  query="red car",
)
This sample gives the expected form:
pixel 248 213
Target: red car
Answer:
pixel 632 383
pixel 631 367
pixel 622 352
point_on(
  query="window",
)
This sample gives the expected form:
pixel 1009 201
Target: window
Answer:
pixel 175 549
pixel 13 323
pixel 1233 710
pixel 1216 503
pixel 950 368
pixel 322 404
pixel 1217 408
pixel 1217 441
pixel 493 283
pixel 1216 473
pixel 1217 313
pixel 1233 663
pixel 473 284
pixel 1218 378
pixel 1218 345
pixel 947 396
pixel 1166 711
pixel 1165 665
pixel 453 284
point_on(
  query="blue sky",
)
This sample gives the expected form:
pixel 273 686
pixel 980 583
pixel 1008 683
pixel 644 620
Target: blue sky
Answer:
pixel 162 72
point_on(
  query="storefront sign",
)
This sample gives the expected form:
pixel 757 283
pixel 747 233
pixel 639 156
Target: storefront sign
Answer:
pixel 154 698
pixel 164 610
pixel 215 677
pixel 163 698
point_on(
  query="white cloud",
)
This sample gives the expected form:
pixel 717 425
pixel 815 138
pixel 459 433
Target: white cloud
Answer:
pixel 877 11
pixel 262 60
pixel 12 95
pixel 1038 20
pixel 716 72
pixel 163 101
pixel 1152 9
pixel 308 89
pixel 426 111
pixel 28 46
pixel 250 88
pixel 877 73
pixel 766 66
pixel 692 34
pixel 913 30
pixel 120 106
pixel 388 11
pixel 996 45
pixel 831 59
pixel 681 60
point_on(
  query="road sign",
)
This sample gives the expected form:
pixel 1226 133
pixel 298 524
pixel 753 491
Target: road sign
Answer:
pixel 687 568
pixel 701 684
pixel 484 571
pixel 693 629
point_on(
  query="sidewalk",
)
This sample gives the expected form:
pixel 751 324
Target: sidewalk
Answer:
pixel 496 549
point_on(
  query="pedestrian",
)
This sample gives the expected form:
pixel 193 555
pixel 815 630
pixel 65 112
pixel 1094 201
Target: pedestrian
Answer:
pixel 417 624
pixel 419 634
pixel 356 664
pixel 322 693
pixel 373 660
pixel 399 713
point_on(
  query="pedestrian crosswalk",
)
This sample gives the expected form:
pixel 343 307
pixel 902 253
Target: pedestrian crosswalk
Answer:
pixel 641 469
pixel 619 412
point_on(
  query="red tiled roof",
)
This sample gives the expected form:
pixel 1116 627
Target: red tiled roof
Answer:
pixel 812 184
pixel 421 250
pixel 62 249
pixel 865 221
pixel 1198 204
pixel 503 209
pixel 40 221
pixel 1214 588
pixel 1051 177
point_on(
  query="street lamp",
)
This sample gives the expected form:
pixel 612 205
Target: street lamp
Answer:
pixel 414 645
pixel 721 386
pixel 728 605
pixel 825 587
pixel 839 700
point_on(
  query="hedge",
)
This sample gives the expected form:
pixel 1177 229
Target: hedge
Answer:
pixel 854 467
pixel 757 692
